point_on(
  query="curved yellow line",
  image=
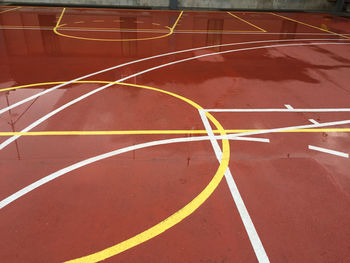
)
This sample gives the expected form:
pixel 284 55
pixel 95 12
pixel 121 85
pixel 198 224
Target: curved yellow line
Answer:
pixel 55 30
pixel 178 216
pixel 181 214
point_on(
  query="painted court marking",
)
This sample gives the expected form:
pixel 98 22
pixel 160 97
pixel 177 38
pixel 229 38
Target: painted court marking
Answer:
pixel 137 61
pixel 243 212
pixel 174 218
pixel 320 149
pixel 313 121
pixel 50 114
pixel 59 26
pixel 315 27
pixel 225 32
pixel 289 109
pixel 245 21
pixel 11 9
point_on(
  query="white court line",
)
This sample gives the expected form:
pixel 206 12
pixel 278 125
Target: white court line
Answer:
pixel 313 121
pixel 162 31
pixel 50 114
pixel 243 212
pixel 63 171
pixel 149 58
pixel 80 164
pixel 289 107
pixel 281 110
pixel 342 154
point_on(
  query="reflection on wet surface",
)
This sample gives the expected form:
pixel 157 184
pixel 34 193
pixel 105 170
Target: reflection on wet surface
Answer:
pixel 128 193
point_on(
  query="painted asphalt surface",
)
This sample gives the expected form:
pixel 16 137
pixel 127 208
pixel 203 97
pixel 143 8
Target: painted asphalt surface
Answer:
pixel 295 199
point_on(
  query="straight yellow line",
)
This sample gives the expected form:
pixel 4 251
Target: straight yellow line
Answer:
pixel 305 24
pixel 130 29
pixel 8 10
pixel 155 132
pixel 176 22
pixel 60 18
pixel 243 20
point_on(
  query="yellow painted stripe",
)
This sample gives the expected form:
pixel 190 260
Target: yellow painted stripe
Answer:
pixel 141 30
pixel 139 132
pixel 178 216
pixel 154 132
pixel 243 20
pixel 305 24
pixel 8 10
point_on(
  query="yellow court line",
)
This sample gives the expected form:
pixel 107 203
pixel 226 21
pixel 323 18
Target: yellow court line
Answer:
pixel 305 24
pixel 8 10
pixel 181 214
pixel 163 132
pixel 133 29
pixel 171 31
pixel 243 20
pixel 89 28
pixel 138 132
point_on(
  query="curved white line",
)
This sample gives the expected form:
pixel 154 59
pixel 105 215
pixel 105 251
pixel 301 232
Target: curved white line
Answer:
pixel 149 58
pixel 50 114
pixel 80 164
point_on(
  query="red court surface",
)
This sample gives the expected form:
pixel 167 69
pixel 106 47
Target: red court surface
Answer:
pixel 173 136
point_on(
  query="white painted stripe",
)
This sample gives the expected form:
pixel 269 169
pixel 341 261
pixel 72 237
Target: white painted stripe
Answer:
pixel 251 139
pixel 50 114
pixel 325 124
pixel 281 110
pixel 243 212
pixel 313 121
pixel 162 31
pixel 342 154
pixel 145 59
pixel 75 166
pixel 289 107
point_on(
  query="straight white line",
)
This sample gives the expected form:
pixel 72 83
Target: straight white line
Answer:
pixel 342 154
pixel 325 124
pixel 289 107
pixel 50 177
pixel 313 121
pixel 145 59
pixel 243 212
pixel 50 114
pixel 80 164
pixel 281 110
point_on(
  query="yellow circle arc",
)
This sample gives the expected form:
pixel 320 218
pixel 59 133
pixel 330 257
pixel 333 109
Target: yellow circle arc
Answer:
pixel 178 216
pixel 58 25
pixel 112 40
